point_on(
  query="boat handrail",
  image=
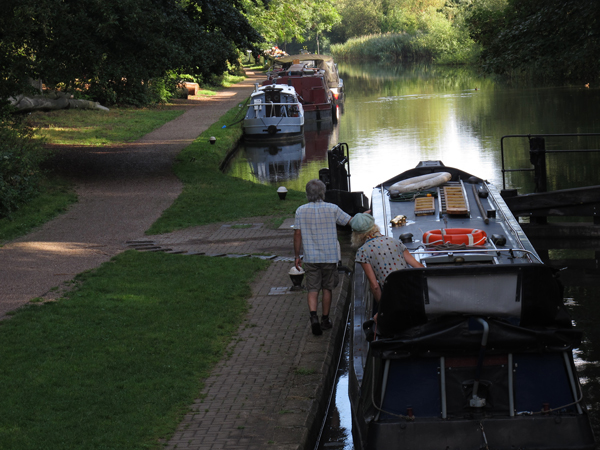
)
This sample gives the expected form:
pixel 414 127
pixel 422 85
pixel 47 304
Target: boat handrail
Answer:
pixel 274 104
pixel 475 251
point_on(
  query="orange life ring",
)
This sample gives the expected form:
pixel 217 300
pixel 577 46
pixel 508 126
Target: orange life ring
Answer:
pixel 467 236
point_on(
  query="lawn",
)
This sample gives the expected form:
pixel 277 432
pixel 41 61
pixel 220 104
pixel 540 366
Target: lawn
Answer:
pixel 117 363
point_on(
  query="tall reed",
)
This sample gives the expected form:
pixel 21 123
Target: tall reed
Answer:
pixel 449 48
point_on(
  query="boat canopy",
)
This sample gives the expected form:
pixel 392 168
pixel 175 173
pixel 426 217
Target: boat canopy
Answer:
pixel 528 295
pixel 322 62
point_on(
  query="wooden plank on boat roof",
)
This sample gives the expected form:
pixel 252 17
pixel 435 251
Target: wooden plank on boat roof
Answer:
pixel 455 200
pixel 424 206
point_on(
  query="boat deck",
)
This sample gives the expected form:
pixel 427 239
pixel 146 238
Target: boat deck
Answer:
pixel 451 206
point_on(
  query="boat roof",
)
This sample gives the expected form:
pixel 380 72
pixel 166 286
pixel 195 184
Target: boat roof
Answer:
pixel 322 62
pixel 304 57
pixel 283 88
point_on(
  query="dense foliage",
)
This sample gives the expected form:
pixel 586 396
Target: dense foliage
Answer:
pixel 404 30
pixel 549 40
pixel 113 50
pixel 284 21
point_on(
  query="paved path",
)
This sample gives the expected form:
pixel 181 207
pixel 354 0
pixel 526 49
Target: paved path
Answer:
pixel 121 193
pixel 272 390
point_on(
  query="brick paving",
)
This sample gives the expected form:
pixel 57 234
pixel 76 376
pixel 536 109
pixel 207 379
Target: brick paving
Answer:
pixel 271 391
pixel 272 388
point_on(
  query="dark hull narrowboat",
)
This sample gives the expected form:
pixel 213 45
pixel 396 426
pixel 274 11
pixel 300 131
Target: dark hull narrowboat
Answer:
pixel 473 351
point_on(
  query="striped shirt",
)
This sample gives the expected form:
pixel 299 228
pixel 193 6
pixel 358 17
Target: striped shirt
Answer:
pixel 317 223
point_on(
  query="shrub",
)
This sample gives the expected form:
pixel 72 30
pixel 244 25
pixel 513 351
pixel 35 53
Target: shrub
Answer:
pixel 20 159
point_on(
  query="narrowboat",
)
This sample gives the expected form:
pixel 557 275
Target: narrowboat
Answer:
pixel 475 349
pixel 274 111
pixel 317 82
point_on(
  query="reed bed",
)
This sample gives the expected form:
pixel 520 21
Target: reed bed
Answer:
pixel 451 47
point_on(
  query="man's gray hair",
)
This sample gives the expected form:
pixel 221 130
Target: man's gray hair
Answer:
pixel 315 190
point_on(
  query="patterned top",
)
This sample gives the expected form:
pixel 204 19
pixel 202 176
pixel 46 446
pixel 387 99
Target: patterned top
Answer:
pixel 317 221
pixel 385 255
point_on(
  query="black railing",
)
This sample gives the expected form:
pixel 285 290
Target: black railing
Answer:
pixel 537 155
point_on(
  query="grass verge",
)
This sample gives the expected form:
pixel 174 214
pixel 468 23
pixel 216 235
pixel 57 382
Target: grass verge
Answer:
pixel 55 197
pixel 116 365
pixel 98 128
pixel 211 196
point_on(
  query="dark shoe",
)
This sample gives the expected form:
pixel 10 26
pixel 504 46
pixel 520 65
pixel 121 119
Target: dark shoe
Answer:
pixel 326 324
pixel 314 324
pixel 369 328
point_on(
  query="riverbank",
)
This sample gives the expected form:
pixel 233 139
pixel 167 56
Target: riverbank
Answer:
pixel 120 195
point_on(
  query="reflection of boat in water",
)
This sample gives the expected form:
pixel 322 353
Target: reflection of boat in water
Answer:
pixel 475 350
pixel 274 111
pixel 271 162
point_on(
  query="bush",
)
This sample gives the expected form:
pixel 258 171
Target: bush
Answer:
pixel 20 159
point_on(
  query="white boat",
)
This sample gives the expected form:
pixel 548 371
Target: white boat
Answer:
pixel 274 111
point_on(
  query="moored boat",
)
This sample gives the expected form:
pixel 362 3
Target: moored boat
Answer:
pixel 274 111
pixel 475 349
pixel 316 79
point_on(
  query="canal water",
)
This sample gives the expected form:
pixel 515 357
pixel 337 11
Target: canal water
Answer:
pixel 394 117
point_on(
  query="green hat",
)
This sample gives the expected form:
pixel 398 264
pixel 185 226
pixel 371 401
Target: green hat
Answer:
pixel 362 223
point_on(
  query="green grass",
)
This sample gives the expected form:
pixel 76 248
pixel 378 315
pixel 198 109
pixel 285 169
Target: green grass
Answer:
pixel 209 195
pixel 116 365
pixel 55 197
pixel 99 128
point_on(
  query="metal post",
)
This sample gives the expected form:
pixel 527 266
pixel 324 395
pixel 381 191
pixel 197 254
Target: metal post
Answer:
pixel 537 156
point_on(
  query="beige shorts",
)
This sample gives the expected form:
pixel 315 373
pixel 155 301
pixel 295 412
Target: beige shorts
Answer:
pixel 321 276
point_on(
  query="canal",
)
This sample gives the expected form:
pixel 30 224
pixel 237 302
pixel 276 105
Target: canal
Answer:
pixel 394 117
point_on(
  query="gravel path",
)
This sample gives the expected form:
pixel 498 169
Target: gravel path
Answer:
pixel 122 191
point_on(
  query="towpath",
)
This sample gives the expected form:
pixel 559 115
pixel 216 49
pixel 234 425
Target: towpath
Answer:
pixel 271 391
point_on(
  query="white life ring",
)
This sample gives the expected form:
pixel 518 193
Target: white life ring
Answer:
pixel 420 183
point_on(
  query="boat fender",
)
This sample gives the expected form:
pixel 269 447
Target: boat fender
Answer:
pixel 420 183
pixel 466 236
pixel 272 129
pixel 499 239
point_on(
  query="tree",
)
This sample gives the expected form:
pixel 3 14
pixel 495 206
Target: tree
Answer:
pixel 283 21
pixel 113 49
pixel 551 40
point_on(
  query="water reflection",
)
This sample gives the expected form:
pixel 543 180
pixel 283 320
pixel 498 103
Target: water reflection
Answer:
pixel 396 116
pixel 273 162
pixel 286 164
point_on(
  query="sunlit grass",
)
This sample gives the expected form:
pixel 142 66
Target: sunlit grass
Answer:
pixel 99 128
pixel 211 196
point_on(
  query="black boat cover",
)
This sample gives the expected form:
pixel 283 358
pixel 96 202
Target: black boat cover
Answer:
pixel 405 325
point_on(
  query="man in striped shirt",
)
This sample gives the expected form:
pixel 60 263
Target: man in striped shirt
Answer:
pixel 315 230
